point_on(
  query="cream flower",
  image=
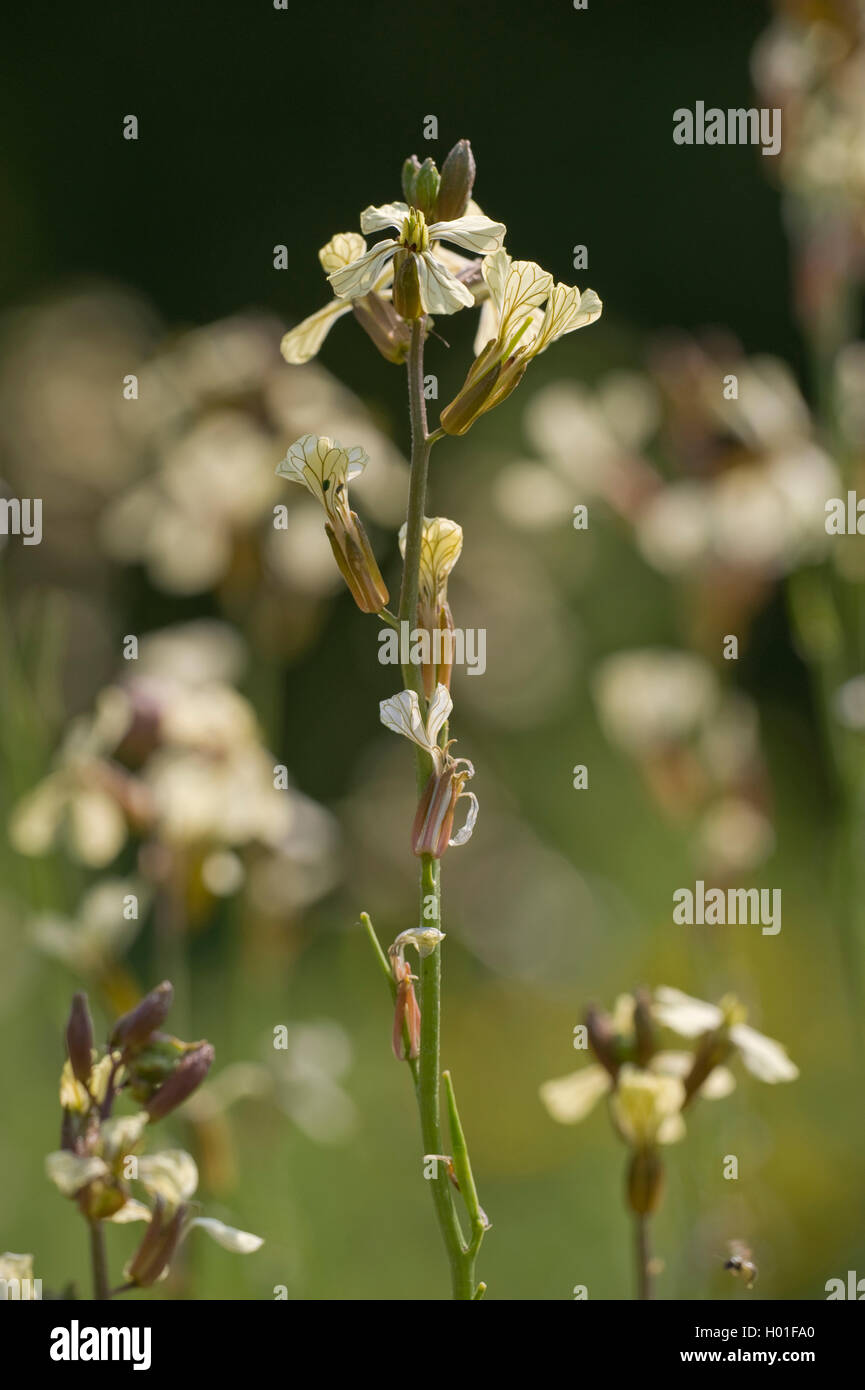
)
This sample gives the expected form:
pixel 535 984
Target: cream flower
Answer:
pixel 570 1099
pixel 304 340
pixel 646 1107
pixel 439 290
pixel 401 714
pixel 763 1057
pixel 441 546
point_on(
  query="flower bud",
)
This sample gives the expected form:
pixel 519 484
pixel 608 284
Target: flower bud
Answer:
pixel 157 1247
pixel 357 564
pixel 79 1038
pixel 132 1030
pixel 410 171
pixel 457 182
pixel 645 1184
pixel 602 1040
pixel 406 286
pixel 406 1018
pixel 426 189
pixel 383 325
pixel 186 1078
pixel 488 383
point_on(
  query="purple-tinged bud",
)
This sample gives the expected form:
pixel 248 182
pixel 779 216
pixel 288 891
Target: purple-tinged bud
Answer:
pixel 186 1078
pixel 602 1040
pixel 132 1030
pixel 79 1038
pixel 457 182
pixel 158 1245
pixel 380 321
pixel 357 564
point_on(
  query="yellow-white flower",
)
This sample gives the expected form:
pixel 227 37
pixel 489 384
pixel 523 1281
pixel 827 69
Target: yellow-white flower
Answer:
pixel 303 341
pixel 431 831
pixel 441 546
pixel 570 1099
pixel 324 468
pixel 763 1057
pixel 401 714
pixel 440 291
pixel 646 1107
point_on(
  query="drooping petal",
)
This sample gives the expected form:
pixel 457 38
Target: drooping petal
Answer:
pixel 362 275
pixel 763 1057
pixel 570 1098
pixel 241 1242
pixel 303 342
pixel 374 219
pixel 341 250
pixel 440 292
pixel 474 232
pixel 465 831
pixel 440 707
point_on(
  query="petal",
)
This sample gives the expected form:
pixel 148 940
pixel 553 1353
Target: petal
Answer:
pixel 684 1015
pixel 474 232
pixel 570 1098
pixel 303 342
pixel 70 1172
pixel 121 1135
pixel 341 250
pixel 526 287
pixel 241 1242
pixel 719 1083
pixel 97 828
pixel 567 310
pixel 671 1130
pixel 465 833
pixel 362 275
pixel 172 1175
pixel 131 1210
pixel 488 326
pixel 438 713
pixel 762 1056
pixel 440 292
pixel 322 466
pixel 401 714
pixel 374 219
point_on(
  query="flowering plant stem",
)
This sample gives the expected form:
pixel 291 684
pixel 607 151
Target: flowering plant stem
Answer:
pixel 101 1289
pixel 426 1071
pixel 643 1256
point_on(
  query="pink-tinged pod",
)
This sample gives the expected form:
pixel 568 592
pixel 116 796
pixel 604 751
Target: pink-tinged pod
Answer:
pixel 434 818
pixel 406 1016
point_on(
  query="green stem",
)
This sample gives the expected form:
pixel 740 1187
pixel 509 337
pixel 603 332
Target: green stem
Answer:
pixel 641 1245
pixel 99 1260
pixel 420 452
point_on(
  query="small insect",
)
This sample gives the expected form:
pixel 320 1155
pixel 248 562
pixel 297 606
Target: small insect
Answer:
pixel 739 1262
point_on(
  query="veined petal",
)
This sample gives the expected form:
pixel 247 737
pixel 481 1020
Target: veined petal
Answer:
pixel 373 219
pixel 361 276
pixel 465 831
pixel 323 467
pixel 526 287
pixel 488 326
pixel 441 544
pixel 440 292
pixel 401 714
pixel 241 1242
pixel 567 309
pixel 763 1057
pixel 571 1098
pixel 341 250
pixel 303 342
pixel 474 232
pixel 438 713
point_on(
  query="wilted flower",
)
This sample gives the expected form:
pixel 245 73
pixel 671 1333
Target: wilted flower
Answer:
pixel 324 468
pixel 431 832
